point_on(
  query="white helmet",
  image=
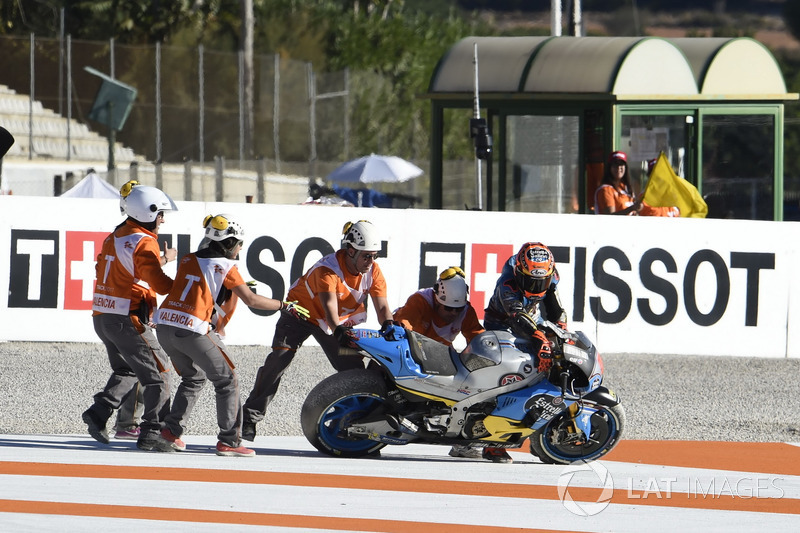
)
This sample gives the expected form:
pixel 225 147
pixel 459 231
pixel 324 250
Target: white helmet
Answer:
pixel 361 235
pixel 451 288
pixel 143 203
pixel 221 227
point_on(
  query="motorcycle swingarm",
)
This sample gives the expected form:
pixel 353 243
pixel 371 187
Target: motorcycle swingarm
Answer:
pixel 383 428
pixel 394 429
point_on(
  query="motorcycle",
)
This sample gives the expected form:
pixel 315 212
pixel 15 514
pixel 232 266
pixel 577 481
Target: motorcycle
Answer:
pixel 491 394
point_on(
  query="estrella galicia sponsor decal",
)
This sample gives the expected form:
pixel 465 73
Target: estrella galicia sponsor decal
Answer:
pixel 544 406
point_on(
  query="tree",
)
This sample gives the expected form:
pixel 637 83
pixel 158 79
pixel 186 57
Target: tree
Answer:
pixel 18 18
pixel 791 17
pixel 127 21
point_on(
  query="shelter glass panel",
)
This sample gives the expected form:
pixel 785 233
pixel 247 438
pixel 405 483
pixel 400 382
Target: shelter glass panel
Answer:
pixel 543 164
pixel 644 136
pixel 738 162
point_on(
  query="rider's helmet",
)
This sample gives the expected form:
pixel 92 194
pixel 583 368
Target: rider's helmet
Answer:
pixel 451 288
pixel 361 235
pixel 534 268
pixel 143 203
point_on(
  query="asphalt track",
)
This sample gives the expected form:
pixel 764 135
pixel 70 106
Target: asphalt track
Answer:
pixel 72 483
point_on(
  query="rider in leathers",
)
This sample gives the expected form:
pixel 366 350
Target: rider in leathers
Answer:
pixel 527 286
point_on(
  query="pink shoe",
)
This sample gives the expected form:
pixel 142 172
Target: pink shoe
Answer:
pixel 128 434
pixel 174 441
pixel 239 451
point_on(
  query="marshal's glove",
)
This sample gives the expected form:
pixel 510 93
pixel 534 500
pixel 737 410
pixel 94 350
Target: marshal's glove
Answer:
pixel 387 330
pixel 345 336
pixel 296 310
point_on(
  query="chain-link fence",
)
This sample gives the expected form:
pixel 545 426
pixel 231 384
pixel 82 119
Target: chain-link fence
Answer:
pixel 189 117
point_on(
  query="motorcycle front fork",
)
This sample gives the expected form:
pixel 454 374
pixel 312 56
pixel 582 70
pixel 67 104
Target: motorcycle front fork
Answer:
pixel 576 435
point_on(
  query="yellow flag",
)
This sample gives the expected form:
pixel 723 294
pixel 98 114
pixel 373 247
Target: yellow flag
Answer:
pixel 665 189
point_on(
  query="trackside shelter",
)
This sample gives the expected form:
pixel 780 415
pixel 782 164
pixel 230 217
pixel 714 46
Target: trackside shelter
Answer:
pixel 557 106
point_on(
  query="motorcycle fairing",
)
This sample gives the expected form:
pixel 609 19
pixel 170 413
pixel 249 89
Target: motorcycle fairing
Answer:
pixel 448 402
pixel 505 429
pixel 539 403
pixel 411 358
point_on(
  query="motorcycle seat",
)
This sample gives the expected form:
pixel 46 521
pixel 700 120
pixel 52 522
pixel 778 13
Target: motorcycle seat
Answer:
pixel 434 357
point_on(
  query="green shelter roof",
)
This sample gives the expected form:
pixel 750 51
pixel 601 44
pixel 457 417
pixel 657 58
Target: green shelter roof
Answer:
pixel 625 68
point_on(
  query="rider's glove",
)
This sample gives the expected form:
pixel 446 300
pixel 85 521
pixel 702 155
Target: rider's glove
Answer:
pixel 387 330
pixel 563 325
pixel 515 307
pixel 345 336
pixel 522 325
pixel 544 354
pixel 296 310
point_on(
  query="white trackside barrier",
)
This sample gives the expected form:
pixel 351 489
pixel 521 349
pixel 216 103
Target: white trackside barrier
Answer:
pixel 637 285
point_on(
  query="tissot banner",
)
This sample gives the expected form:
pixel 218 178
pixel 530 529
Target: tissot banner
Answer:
pixel 633 284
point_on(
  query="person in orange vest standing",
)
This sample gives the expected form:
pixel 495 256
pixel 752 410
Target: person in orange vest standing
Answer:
pixel 334 290
pixel 130 410
pixel 129 274
pixel 191 324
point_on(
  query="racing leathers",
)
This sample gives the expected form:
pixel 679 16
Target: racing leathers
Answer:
pixel 508 300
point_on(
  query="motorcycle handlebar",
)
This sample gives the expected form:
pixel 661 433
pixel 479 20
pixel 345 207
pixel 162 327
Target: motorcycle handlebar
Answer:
pixel 557 330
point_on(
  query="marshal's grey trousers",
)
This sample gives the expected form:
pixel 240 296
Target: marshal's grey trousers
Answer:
pixel 196 358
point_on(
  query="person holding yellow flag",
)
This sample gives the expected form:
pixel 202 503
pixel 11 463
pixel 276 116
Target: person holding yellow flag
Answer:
pixel 615 196
pixel 667 188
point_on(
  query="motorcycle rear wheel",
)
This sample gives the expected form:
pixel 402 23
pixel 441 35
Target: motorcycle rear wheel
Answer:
pixel 554 444
pixel 337 401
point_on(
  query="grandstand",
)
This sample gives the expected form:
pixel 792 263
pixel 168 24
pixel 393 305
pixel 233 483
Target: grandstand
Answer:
pixel 52 153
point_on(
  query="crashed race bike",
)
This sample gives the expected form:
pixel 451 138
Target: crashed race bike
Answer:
pixel 416 390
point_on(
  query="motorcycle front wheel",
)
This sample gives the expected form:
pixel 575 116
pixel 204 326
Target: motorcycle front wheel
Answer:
pixel 334 404
pixel 558 443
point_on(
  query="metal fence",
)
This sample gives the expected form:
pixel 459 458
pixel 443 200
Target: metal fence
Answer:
pixel 189 112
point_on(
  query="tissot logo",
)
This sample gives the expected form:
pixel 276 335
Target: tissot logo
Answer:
pixel 487 261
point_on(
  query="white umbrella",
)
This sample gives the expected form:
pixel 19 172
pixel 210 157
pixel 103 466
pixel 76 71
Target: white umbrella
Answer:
pixel 375 168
